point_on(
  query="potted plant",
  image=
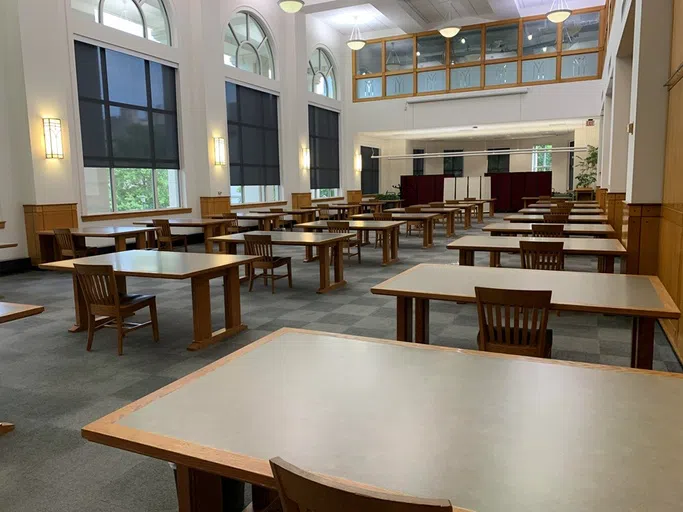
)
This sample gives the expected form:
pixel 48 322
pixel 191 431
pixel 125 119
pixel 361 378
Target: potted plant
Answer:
pixel 587 168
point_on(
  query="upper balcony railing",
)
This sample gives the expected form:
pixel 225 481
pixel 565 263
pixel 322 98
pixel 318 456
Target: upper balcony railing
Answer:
pixel 510 53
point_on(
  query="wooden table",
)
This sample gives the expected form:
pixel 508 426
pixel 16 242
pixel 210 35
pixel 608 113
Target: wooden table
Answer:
pixel 8 245
pixel 511 228
pixel 573 219
pixel 574 211
pixel 49 251
pixel 533 199
pixel 266 219
pixel 211 227
pixel 390 230
pixel 372 206
pixel 322 242
pixel 300 214
pixel 606 249
pixel 467 207
pixel 199 268
pixel 490 432
pixel 480 206
pixel 642 297
pixel 427 220
pixel 344 210
pixel 574 205
pixel 449 213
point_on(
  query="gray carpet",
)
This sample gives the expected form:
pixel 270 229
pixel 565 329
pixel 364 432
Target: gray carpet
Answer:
pixel 50 386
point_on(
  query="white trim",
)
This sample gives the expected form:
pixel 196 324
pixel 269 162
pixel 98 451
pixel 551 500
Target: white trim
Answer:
pixel 252 80
pixel 469 95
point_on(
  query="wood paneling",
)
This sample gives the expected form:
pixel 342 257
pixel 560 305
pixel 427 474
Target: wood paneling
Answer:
pixel 42 217
pixel 677 36
pixel 249 206
pixel 214 205
pixel 640 233
pixel 134 215
pixel 615 211
pixel 601 197
pixel 354 196
pixel 301 200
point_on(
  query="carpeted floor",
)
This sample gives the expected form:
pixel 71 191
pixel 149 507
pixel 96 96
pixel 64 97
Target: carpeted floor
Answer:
pixel 50 386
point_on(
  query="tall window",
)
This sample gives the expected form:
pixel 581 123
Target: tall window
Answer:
pixel 129 131
pixel 418 163
pixel 323 130
pixel 142 18
pixel 321 78
pixel 369 175
pixel 454 165
pixel 499 163
pixel 253 145
pixel 247 46
pixel 542 158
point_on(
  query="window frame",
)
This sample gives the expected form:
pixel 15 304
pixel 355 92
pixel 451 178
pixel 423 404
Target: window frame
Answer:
pixel 506 169
pixel 539 150
pixel 418 163
pixel 316 72
pixel 240 44
pixel 263 194
pixel 452 161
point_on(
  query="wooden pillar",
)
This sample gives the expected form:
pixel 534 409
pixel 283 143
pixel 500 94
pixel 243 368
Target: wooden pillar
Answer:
pixel 640 236
pixel 615 211
pixel 44 217
pixel 214 205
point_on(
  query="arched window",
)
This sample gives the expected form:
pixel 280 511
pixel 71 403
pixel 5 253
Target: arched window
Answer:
pixel 142 18
pixel 247 46
pixel 321 79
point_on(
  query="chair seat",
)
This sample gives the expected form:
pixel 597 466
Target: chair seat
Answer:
pixel 274 262
pixel 127 300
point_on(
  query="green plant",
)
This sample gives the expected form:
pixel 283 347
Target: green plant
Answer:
pixel 588 169
pixel 390 196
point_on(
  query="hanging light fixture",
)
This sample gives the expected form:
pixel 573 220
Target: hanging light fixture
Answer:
pixel 291 6
pixel 559 11
pixel 393 60
pixel 450 29
pixel 356 41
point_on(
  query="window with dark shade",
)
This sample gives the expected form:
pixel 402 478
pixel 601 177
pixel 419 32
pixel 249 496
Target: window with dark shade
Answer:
pixel 418 163
pixel 369 175
pixel 454 165
pixel 499 163
pixel 323 130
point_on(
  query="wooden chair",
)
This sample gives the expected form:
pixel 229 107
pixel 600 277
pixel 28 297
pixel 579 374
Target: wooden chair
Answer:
pixel 548 230
pixel 102 298
pixel 556 218
pixel 542 255
pixel 231 224
pixel 413 224
pixel 380 234
pixel 543 199
pixel 165 238
pixel 262 245
pixel 561 208
pixel 324 212
pixel 342 226
pixel 281 222
pixel 514 322
pixel 301 491
pixel 68 247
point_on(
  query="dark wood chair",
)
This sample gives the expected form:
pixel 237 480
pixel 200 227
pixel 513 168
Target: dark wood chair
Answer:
pixel 544 199
pixel 413 224
pixel 262 245
pixel 556 218
pixel 542 255
pixel 102 298
pixel 548 230
pixel 301 490
pixel 342 226
pixel 231 224
pixel 324 212
pixel 68 245
pixel 514 321
pixel 383 216
pixel 561 208
pixel 165 239
pixel 281 222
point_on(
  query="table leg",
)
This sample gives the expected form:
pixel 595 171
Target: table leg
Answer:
pixel 422 321
pixel 385 247
pixel 199 491
pixel 480 213
pixel 450 224
pixel 80 307
pixel 48 248
pixel 468 218
pixel 606 264
pixel 151 239
pixel 404 319
pixel 324 260
pixel 140 242
pixel 466 258
pixel 120 243
pixel 339 263
pixel 427 234
pixel 492 209
pixel 642 343
pixel 208 233
pixel 494 259
pixel 395 235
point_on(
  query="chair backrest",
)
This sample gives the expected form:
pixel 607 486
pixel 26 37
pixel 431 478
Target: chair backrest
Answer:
pixel 382 216
pixel 542 255
pixel 556 218
pixel 437 205
pixel 561 208
pixel 301 491
pixel 548 230
pixel 513 321
pixel 543 199
pixel 470 199
pixel 164 225
pixel 231 222
pixel 259 245
pixel 64 239
pixel 413 209
pixel 338 226
pixel 98 284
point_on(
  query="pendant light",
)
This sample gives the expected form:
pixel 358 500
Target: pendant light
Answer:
pixel 356 41
pixel 291 6
pixel 559 11
pixel 450 29
pixel 393 60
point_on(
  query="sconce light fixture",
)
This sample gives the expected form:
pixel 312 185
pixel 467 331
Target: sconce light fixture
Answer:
pixel 306 159
pixel 52 131
pixel 358 162
pixel 219 150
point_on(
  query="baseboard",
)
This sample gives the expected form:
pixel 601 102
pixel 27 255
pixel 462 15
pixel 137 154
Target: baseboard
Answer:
pixel 15 266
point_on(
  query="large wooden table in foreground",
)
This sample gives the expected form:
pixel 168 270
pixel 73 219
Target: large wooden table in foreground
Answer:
pixel 573 219
pixel 210 227
pixel 427 220
pixel 606 249
pixel 512 228
pixel 324 243
pixel 199 268
pixel 490 432
pixel 642 297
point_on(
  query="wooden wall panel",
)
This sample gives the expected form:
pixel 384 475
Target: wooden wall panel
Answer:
pixel 41 217
pixel 673 173
pixel 677 36
pixel 301 200
pixel 615 213
pixel 354 196
pixel 214 205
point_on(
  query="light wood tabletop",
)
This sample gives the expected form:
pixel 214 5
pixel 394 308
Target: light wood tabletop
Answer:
pixel 50 252
pixel 574 211
pixel 8 245
pixel 606 249
pixel 575 206
pixel 427 220
pixel 300 214
pixel 573 219
pixel 511 228
pixel 199 268
pixel 642 297
pixel 448 212
pixel 211 227
pixel 481 429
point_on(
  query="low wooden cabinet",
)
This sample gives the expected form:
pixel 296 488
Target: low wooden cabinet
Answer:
pixel 43 217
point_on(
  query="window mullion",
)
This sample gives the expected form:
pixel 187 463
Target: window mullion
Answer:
pixel 154 187
pixel 112 180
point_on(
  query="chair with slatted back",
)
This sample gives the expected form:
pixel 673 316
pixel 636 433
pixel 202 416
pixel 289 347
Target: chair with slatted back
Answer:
pixel 561 208
pixel 548 230
pixel 544 199
pixel 301 490
pixel 165 238
pixel 342 226
pixel 68 245
pixel 324 212
pixel 231 224
pixel 262 245
pixel 542 255
pixel 102 298
pixel 281 223
pixel 556 218
pixel 382 216
pixel 412 223
pixel 514 322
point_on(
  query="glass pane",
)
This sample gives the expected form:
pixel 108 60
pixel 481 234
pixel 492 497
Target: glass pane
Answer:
pixel 499 74
pixel 239 26
pixel 501 42
pixel 134 189
pixel 466 47
pixel 168 188
pixel 165 136
pixel 465 78
pixel 369 59
pixel 539 37
pixel 575 66
pixel 431 81
pixel 273 193
pixel 252 194
pixel 311 77
pixel 266 55
pixel 319 85
pixel 399 55
pixel 331 85
pixel 93 130
pixel 230 45
pixel 252 145
pixel 400 84
pixel 89 71
pixel 368 88
pixel 581 31
pixel 269 110
pixel 234 144
pixel 256 35
pixel 163 86
pixel 123 15
pixel 89 7
pixel 247 59
pixel 157 23
pixel 538 70
pixel 130 133
pixel 126 78
pixel 251 106
pixel 97 190
pixel 325 63
pixel 236 194
pixel 431 51
pixel 231 100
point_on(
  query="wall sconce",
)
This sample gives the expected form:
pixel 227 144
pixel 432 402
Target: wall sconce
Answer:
pixel 358 162
pixel 52 132
pixel 306 158
pixel 219 151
